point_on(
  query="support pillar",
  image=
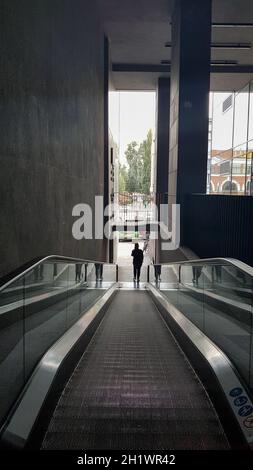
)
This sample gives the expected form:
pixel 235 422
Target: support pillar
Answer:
pixel 106 139
pixel 190 84
pixel 163 128
pixel 162 148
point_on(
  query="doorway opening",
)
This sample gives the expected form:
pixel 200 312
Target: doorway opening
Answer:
pixel 132 120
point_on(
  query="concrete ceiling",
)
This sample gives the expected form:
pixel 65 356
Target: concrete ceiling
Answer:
pixel 138 29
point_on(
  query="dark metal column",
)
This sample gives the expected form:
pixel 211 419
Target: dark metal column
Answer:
pixel 162 149
pixel 106 138
pixel 163 128
pixel 190 83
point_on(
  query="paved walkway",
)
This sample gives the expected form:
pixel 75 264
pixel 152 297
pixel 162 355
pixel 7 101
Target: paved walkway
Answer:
pixel 125 262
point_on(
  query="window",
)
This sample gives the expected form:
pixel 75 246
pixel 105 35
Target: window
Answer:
pixel 250 135
pixel 230 186
pixel 231 149
pixel 241 118
pixel 227 103
pixel 249 188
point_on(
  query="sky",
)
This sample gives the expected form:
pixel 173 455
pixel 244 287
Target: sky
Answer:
pixel 223 121
pixel 131 115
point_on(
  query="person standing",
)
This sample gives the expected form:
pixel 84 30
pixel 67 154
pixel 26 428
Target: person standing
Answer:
pixel 78 272
pixel 137 255
pixel 196 270
pixel 99 271
pixel 158 269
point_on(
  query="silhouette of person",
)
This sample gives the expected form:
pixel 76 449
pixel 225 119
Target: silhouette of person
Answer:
pixel 55 269
pixel 196 271
pixel 137 255
pixel 78 272
pixel 38 272
pixel 216 273
pixel 157 268
pixel 99 271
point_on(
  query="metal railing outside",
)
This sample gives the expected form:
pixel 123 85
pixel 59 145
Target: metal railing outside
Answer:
pixel 132 207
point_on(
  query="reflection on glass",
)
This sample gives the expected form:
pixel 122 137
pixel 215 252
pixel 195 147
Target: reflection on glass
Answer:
pixel 250 126
pixel 165 276
pixel 217 298
pixel 221 170
pixel 239 167
pixel 11 344
pixel 190 296
pixel 222 129
pixel 241 117
pixel 45 312
pixel 36 310
pixel 228 311
pixel 230 158
pixel 249 175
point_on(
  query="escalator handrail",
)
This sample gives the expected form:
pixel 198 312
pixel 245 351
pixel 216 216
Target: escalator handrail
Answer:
pixel 212 261
pixel 26 268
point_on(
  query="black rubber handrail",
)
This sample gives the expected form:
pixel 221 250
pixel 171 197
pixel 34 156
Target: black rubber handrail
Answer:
pixel 29 266
pixel 212 261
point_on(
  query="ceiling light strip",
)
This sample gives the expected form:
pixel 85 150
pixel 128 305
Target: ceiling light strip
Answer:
pixel 221 45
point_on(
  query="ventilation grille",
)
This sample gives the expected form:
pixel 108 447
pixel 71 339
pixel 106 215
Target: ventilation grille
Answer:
pixel 227 104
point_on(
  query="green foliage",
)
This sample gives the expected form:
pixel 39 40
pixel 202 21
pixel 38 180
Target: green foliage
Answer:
pixel 145 154
pixel 122 178
pixel 136 177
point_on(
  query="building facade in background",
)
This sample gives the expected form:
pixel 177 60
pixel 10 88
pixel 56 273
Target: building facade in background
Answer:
pixel 231 149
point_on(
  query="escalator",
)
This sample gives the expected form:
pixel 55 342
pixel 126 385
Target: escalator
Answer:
pixel 134 389
pixel 105 366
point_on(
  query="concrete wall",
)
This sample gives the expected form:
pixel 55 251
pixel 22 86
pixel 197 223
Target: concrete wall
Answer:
pixel 52 126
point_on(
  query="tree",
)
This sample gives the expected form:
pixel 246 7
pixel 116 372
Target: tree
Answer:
pixel 136 177
pixel 133 181
pixel 145 152
pixel 122 178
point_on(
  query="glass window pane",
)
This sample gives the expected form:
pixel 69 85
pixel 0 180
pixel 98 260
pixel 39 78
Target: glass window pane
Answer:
pixel 249 177
pixel 250 135
pixel 222 129
pixel 228 312
pixel 239 170
pixel 221 171
pixel 241 117
pixel 191 294
pixel 45 313
pixel 12 344
pixel 76 276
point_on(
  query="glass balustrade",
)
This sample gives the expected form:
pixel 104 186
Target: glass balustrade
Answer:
pixel 37 308
pixel 216 296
